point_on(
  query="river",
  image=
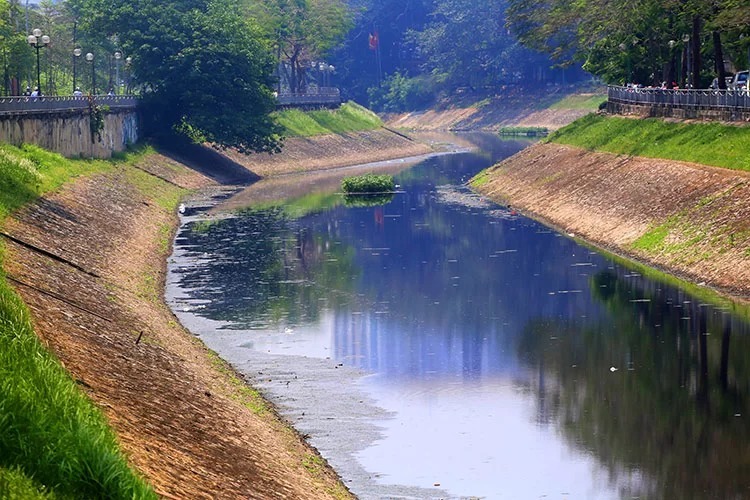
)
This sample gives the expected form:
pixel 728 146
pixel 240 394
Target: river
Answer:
pixel 433 344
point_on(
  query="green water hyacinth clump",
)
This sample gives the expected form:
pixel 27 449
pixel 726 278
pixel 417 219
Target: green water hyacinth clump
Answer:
pixel 368 183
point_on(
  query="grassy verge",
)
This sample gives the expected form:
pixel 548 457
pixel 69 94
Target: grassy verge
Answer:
pixel 715 144
pixel 54 443
pixel 589 102
pixel 350 117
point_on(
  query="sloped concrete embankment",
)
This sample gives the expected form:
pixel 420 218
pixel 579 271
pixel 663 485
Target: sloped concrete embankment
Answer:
pixel 689 219
pixel 305 154
pixel 89 261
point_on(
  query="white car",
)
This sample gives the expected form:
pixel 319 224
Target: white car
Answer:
pixel 740 80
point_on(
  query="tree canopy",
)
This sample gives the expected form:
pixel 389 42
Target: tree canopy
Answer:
pixel 205 70
pixel 646 41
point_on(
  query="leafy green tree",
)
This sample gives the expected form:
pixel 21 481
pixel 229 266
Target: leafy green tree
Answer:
pixel 304 31
pixel 206 71
pixel 489 56
pixel 645 41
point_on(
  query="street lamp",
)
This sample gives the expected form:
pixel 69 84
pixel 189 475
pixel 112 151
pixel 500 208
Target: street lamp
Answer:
pixel 118 56
pixel 128 62
pixel 90 58
pixel 37 40
pixel 76 54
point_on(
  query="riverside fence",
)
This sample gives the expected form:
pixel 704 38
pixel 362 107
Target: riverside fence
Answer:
pixel 23 105
pixel 730 105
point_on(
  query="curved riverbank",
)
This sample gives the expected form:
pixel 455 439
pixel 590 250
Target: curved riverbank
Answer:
pixel 688 219
pixel 89 261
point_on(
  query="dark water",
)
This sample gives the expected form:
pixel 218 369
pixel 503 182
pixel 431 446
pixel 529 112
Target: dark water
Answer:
pixel 512 362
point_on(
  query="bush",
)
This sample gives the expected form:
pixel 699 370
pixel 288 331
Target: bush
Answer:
pixel 369 183
pixel 399 92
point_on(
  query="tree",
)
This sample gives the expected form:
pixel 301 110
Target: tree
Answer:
pixel 304 31
pixel 206 71
pixel 489 56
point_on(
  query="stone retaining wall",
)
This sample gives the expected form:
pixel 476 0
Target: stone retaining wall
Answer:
pixel 69 133
pixel 661 111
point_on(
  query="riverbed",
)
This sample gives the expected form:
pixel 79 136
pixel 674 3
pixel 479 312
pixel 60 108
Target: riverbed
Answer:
pixel 433 344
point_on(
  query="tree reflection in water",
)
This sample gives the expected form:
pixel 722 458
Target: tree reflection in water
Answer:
pixel 262 268
pixel 675 408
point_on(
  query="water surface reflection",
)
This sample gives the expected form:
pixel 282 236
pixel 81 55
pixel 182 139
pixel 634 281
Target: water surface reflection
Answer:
pixel 515 362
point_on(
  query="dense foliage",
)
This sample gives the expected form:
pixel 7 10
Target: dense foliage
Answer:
pixel 426 49
pixel 648 41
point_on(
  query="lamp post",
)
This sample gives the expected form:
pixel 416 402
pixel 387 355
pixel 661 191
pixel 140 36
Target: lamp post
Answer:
pixel 672 64
pixel 118 56
pixel 90 58
pixel 37 40
pixel 128 62
pixel 76 54
pixel 326 70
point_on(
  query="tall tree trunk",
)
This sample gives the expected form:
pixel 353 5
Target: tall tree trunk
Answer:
pixel 695 40
pixel 719 56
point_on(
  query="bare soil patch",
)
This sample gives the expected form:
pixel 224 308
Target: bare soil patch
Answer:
pixel 612 201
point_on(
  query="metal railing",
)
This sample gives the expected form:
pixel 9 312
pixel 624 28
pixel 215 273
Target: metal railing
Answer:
pixel 23 105
pixel 689 99
pixel 324 96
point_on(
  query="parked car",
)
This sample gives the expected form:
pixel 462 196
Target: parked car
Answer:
pixel 740 80
pixel 729 83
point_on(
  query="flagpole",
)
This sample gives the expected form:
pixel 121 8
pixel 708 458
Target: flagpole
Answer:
pixel 374 45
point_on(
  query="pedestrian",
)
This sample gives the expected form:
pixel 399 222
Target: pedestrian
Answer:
pixel 27 92
pixel 36 92
pixel 77 92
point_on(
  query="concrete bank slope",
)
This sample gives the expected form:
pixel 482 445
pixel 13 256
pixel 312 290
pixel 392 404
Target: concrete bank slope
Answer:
pixel 494 113
pixel 304 154
pixel 89 261
pixel 688 219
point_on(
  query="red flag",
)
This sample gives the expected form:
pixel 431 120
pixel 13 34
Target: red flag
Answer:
pixel 373 41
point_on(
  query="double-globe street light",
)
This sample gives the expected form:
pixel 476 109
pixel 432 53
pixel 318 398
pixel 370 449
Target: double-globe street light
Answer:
pixel 37 40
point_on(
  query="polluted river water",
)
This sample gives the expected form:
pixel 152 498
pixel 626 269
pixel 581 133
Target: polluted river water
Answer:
pixel 433 344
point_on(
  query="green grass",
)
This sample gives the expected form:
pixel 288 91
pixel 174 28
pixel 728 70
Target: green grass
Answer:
pixel 350 117
pixel 54 443
pixel 580 101
pixel 713 144
pixel 368 183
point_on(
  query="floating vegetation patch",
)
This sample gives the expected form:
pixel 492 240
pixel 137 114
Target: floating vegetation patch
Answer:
pixel 368 183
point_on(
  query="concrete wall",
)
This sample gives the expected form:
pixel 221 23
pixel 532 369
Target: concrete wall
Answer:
pixel 697 113
pixel 69 133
